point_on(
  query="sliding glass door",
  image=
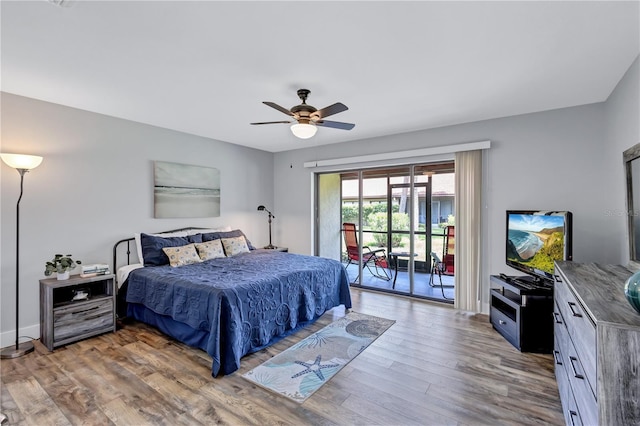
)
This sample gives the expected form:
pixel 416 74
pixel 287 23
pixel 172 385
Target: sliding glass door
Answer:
pixel 397 217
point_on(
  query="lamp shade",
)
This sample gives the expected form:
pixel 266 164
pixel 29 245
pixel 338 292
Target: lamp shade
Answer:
pixel 21 161
pixel 304 131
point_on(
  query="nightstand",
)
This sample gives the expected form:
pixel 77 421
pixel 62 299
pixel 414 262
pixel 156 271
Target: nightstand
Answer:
pixel 77 308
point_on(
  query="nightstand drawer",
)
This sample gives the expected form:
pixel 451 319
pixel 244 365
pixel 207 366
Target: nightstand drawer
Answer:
pixel 78 319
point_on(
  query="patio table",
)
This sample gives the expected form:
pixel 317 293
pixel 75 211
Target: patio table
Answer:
pixel 394 255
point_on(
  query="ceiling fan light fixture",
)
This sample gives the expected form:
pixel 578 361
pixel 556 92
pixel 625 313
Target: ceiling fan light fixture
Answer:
pixel 307 117
pixel 304 131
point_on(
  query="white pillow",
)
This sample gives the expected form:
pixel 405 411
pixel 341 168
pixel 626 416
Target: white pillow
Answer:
pixel 139 245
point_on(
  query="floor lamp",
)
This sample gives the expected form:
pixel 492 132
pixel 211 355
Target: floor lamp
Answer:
pixel 22 163
pixel 271 216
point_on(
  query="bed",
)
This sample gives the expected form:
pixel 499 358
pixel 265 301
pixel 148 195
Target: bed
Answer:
pixel 229 305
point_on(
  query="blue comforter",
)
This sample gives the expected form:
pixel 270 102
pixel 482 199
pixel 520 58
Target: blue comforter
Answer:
pixel 237 305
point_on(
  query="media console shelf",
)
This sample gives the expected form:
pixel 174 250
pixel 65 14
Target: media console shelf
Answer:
pixel 523 315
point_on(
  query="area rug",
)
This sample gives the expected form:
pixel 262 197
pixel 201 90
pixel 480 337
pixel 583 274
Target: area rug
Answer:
pixel 303 368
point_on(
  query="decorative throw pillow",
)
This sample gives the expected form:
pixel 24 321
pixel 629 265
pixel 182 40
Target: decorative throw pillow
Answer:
pixel 210 250
pixel 183 255
pixel 208 236
pixel 235 245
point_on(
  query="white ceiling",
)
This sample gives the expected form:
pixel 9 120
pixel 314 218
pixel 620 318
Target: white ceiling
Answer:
pixel 204 67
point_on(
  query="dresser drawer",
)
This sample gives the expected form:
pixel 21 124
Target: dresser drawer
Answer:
pixel 581 330
pixel 566 359
pixel 79 319
pixel 569 407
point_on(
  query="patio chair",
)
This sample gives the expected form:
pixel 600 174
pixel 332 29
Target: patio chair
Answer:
pixel 438 267
pixel 449 250
pixel 374 260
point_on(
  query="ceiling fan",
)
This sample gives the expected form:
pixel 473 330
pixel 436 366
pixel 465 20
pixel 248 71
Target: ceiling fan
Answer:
pixel 308 117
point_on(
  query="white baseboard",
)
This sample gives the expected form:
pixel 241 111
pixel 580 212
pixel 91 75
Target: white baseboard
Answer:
pixel 31 332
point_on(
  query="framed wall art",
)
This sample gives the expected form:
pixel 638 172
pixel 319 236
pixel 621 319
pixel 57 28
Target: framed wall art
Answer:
pixel 183 190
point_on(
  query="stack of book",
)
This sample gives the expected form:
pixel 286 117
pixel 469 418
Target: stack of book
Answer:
pixel 94 270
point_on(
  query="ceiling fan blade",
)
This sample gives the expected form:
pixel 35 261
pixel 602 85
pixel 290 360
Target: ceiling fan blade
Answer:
pixel 278 107
pixel 273 122
pixel 331 109
pixel 335 124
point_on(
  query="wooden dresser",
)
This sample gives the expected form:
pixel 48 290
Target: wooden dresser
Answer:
pixel 596 345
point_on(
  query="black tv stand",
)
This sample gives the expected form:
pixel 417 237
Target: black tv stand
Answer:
pixel 527 283
pixel 522 311
pixel 528 279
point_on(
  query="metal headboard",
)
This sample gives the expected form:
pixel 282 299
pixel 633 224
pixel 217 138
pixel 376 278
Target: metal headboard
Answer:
pixel 130 241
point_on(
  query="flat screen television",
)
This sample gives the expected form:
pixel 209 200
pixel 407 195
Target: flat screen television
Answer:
pixel 535 239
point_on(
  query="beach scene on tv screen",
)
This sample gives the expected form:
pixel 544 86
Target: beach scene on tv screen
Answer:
pixel 535 241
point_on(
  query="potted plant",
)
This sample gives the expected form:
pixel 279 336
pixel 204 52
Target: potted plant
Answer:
pixel 61 264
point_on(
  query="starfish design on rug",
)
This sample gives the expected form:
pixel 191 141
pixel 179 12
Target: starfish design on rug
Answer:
pixel 315 367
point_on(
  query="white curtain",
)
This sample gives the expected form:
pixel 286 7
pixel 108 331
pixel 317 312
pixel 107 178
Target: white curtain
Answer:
pixel 468 230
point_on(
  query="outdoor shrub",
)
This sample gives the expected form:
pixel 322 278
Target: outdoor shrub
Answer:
pixel 350 212
pixel 451 221
pixel 378 222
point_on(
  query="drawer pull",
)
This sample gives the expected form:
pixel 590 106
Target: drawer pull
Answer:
pixel 86 310
pixel 556 315
pixel 573 367
pixel 556 355
pixel 558 279
pixel 572 414
pixel 573 311
pixel 503 322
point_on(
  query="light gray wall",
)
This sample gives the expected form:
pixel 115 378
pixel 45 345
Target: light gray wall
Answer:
pixel 549 160
pixel 622 131
pixel 95 186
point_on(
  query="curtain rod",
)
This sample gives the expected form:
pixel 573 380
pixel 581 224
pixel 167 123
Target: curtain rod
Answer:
pixel 435 150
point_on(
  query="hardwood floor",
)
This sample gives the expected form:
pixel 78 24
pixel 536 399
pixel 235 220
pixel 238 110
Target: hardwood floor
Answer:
pixel 435 365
